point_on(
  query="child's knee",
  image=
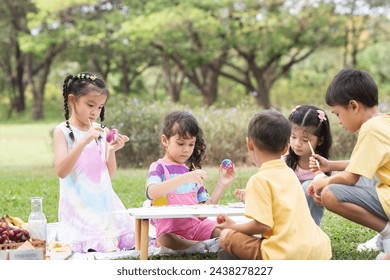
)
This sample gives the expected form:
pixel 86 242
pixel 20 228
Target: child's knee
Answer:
pixel 327 197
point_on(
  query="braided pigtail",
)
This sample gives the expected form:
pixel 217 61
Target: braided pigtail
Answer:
pixel 66 106
pixel 102 125
pixel 102 117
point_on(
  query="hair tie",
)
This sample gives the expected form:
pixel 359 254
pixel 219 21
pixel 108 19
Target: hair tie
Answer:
pixel 296 108
pixel 321 115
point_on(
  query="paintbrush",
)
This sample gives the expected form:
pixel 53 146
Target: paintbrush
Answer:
pixel 312 152
pixel 90 124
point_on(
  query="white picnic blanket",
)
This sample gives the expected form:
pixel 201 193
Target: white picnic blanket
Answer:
pixel 52 236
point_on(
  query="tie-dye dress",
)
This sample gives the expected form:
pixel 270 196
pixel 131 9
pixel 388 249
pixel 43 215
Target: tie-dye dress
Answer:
pixel 87 206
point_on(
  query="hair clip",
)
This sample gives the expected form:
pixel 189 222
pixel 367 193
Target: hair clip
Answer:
pixel 321 115
pixel 296 108
pixel 86 76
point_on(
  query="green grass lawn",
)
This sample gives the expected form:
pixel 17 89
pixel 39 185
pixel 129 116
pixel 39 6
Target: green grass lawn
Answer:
pixel 26 170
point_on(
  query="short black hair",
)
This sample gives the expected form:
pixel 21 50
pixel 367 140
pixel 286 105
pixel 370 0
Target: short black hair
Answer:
pixel 352 84
pixel 270 131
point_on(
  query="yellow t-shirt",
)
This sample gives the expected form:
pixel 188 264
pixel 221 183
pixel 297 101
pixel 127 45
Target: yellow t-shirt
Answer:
pixel 274 197
pixel 371 156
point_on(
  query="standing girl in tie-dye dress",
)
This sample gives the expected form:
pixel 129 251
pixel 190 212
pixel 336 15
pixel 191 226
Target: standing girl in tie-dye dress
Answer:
pixel 85 163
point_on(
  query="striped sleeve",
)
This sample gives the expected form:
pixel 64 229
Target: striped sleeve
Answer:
pixel 156 174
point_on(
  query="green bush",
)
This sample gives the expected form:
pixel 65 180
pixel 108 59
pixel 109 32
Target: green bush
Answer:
pixel 141 123
pixel 224 131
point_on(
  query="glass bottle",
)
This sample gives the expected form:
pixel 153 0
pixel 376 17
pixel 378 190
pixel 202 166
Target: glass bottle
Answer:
pixel 37 223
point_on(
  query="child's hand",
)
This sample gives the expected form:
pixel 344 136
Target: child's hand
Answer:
pixel 196 176
pixel 223 221
pixel 226 176
pixel 119 143
pixel 310 191
pixel 240 194
pixel 323 162
pixel 92 134
pixel 319 182
pixel 316 197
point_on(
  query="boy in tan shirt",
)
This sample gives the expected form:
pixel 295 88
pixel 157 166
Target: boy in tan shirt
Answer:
pixel 353 98
pixel 275 202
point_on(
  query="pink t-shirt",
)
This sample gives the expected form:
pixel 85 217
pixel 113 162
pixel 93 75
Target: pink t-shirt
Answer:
pixel 304 174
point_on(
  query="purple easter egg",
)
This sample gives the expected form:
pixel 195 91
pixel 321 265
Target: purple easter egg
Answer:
pixel 227 164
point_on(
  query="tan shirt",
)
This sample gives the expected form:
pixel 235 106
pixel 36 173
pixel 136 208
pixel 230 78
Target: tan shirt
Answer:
pixel 274 197
pixel 371 156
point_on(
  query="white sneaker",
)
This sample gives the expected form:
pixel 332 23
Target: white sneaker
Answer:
pixel 381 256
pixel 212 245
pixel 199 247
pixel 166 251
pixel 386 244
pixel 214 248
pixel 374 244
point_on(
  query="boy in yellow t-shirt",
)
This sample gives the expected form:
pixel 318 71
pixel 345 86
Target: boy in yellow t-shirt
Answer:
pixel 275 203
pixel 353 98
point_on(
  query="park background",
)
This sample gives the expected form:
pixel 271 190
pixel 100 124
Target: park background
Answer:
pixel 221 60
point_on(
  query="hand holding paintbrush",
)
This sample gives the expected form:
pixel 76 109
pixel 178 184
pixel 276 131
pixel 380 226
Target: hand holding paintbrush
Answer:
pixel 313 153
pixel 90 124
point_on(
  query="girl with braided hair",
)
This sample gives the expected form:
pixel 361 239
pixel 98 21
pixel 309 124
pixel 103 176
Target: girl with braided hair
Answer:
pixel 85 163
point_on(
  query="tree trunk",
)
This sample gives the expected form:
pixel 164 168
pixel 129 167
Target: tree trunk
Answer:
pixel 37 110
pixel 126 84
pixel 37 107
pixel 20 101
pixel 262 95
pixel 38 91
pixel 174 92
pixel 175 82
pixel 210 89
pixel 264 81
pixel 125 81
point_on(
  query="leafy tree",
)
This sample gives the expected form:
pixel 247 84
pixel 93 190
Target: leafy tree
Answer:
pixel 187 37
pixel 250 42
pixel 271 37
pixel 13 23
pixel 364 20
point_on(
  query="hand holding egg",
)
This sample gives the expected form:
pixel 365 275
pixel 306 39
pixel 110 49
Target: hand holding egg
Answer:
pixel 227 164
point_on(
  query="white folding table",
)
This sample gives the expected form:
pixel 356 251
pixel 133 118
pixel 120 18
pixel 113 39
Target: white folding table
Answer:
pixel 144 214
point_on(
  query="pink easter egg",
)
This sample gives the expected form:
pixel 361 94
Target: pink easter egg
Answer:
pixel 112 135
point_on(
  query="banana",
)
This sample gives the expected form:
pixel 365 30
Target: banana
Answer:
pixel 14 221
pixel 7 220
pixel 18 222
